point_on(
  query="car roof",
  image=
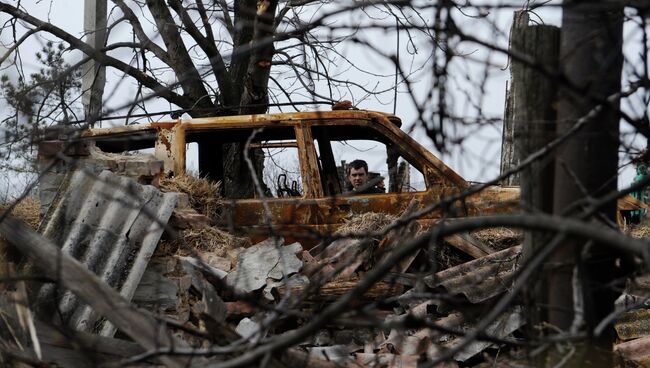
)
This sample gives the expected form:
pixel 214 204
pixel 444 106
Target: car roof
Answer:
pixel 247 121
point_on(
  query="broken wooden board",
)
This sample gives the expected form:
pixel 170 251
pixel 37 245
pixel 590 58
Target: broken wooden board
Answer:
pixel 334 289
pixel 470 245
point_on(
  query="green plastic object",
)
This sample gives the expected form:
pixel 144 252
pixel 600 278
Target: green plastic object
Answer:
pixel 641 173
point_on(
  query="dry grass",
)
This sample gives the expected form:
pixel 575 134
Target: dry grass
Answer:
pixel 203 193
pixel 206 240
pixel 27 210
pixel 639 231
pixel 499 237
pixel 211 239
pixel 366 222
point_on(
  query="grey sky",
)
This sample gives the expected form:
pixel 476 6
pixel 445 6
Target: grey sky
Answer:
pixel 477 158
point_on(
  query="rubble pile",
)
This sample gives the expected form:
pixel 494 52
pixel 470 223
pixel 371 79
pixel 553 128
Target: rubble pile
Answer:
pixel 212 296
pixel 633 323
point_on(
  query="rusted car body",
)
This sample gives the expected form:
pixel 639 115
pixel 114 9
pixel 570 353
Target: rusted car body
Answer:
pixel 323 205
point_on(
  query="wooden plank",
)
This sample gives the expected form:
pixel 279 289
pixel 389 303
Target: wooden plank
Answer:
pixel 334 289
pixel 470 245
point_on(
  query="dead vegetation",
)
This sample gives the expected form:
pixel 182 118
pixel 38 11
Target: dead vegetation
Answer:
pixel 499 237
pixel 207 239
pixel 639 231
pixel 202 193
pixel 366 223
pixel 196 236
pixel 26 210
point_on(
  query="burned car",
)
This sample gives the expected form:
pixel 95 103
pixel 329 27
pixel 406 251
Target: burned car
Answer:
pixel 312 199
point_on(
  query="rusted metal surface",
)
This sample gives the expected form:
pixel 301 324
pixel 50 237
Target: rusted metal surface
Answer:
pixel 436 171
pixel 112 225
pixel 274 145
pixel 300 219
pixel 480 279
pixel 170 148
pixel 124 130
pixel 629 203
pixel 308 163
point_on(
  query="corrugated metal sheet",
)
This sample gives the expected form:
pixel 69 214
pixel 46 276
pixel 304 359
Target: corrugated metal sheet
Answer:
pixel 112 225
pixel 480 279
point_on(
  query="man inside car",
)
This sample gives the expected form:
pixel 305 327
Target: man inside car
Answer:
pixel 358 177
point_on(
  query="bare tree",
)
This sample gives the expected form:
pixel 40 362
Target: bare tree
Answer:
pixel 205 59
pixel 242 57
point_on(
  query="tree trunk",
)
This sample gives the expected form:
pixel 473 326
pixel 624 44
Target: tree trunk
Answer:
pixel 531 117
pixel 586 165
pixel 250 70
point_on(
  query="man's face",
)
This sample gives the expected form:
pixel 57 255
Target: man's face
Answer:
pixel 358 177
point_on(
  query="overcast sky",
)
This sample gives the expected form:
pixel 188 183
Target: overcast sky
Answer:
pixel 476 159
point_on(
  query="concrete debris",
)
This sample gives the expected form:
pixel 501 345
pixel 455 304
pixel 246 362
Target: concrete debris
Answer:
pixel 336 353
pixel 233 298
pixel 94 292
pixel 508 323
pixel 266 260
pixel 143 168
pixel 633 324
pixel 158 289
pixel 387 360
pixel 215 290
pixel 191 262
pixel 635 351
pixel 247 328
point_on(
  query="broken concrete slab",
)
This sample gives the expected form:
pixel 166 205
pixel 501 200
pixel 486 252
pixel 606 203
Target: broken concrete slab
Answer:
pixel 339 354
pixel 502 327
pixel 247 328
pixel 157 291
pixel 268 259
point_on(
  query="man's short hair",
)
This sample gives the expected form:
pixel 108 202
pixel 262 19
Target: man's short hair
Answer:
pixel 357 164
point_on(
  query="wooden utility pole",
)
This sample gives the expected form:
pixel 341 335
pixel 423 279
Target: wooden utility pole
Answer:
pixel 531 100
pixel 591 59
pixel 532 107
pixel 94 73
pixel 529 126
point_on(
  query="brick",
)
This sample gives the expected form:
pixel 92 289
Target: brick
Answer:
pixel 52 148
pixel 185 219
